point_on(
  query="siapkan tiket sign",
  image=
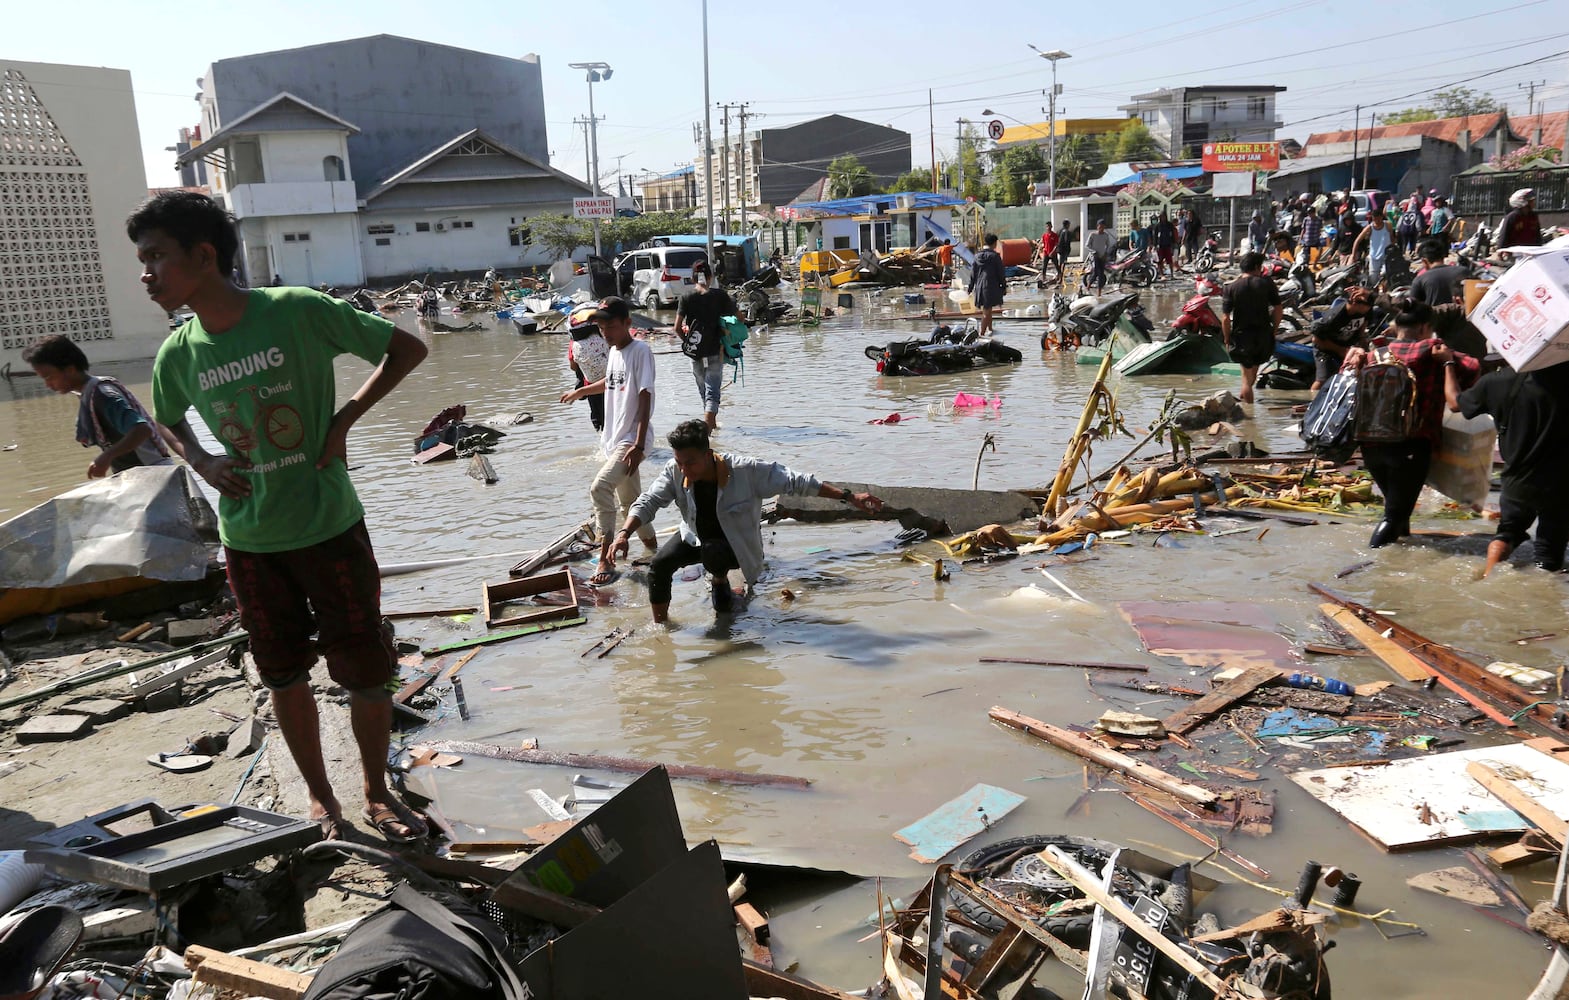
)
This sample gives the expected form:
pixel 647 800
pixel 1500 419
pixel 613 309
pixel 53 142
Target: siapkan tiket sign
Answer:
pixel 598 207
pixel 1226 157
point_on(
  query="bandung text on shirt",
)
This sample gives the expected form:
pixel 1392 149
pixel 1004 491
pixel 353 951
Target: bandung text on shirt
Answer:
pixel 248 365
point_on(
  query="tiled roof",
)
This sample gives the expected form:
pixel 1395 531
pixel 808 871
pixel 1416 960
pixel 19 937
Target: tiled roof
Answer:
pixel 1552 124
pixel 1447 129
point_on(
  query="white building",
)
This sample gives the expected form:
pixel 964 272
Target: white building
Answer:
pixel 70 172
pixel 1182 119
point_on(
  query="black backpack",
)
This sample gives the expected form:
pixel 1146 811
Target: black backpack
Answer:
pixel 1331 416
pixel 417 949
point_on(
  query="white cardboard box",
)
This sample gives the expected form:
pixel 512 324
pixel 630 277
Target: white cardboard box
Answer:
pixel 1525 315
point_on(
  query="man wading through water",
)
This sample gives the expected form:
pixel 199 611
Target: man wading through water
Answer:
pixel 720 498
pixel 257 365
pixel 700 324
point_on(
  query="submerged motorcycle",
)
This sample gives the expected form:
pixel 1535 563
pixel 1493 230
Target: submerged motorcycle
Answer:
pixel 946 350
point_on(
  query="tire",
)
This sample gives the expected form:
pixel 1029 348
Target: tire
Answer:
pixel 875 353
pixel 652 302
pixel 1204 263
pixel 1295 322
pixel 1142 276
pixel 1073 928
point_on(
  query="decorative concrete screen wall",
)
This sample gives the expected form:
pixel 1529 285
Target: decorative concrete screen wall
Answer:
pixel 51 275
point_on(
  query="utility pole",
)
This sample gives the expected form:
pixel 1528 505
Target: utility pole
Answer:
pixel 1367 161
pixel 931 127
pixel 1530 94
pixel 958 154
pixel 708 139
pixel 724 166
pixel 1356 136
pixel 746 175
pixel 588 164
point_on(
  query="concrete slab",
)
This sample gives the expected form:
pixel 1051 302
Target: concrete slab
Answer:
pixel 246 738
pixel 185 631
pixel 99 710
pixel 938 511
pixel 54 728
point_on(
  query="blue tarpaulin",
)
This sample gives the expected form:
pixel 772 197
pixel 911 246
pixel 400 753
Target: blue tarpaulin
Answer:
pixel 953 823
pixel 867 204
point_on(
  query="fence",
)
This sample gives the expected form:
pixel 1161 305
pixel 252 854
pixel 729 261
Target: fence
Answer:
pixel 1488 194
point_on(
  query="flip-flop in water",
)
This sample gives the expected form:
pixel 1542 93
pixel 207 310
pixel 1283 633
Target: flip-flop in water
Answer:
pixel 604 578
pixel 181 762
pixel 386 820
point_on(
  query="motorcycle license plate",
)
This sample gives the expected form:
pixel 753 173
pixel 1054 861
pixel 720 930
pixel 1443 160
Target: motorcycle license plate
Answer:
pixel 1134 958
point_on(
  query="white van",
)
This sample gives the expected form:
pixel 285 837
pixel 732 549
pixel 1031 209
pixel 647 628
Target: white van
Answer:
pixel 657 277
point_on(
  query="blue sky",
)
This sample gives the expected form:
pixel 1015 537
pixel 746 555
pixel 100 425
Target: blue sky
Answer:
pixel 791 65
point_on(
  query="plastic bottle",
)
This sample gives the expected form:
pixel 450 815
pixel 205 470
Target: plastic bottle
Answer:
pixel 1314 682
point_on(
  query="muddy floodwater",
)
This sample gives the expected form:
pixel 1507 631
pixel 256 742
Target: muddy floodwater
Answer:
pixel 867 683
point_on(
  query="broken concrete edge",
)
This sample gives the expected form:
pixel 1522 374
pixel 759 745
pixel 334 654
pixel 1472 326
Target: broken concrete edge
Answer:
pixel 936 511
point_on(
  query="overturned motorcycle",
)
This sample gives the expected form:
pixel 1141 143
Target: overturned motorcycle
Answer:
pixel 946 350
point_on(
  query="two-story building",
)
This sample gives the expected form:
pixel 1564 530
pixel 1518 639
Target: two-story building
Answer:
pixel 375 158
pixel 1182 119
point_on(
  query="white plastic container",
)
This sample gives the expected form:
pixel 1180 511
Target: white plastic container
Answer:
pixel 1462 466
pixel 18 879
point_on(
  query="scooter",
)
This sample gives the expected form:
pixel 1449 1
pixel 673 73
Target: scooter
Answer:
pixel 946 350
pixel 1204 260
pixel 1198 315
pixel 1134 269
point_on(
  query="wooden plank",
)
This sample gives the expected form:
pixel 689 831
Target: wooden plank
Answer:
pixel 524 755
pixel 956 822
pixel 1511 795
pixel 243 975
pixel 755 923
pixel 1188 717
pixel 1519 853
pixel 1074 743
pixel 1393 656
pixel 495 637
pixel 462 662
pixel 1087 884
pixel 1064 952
pixel 1065 663
pixel 1213 843
pixel 393 616
pixel 765 982
pixel 142 686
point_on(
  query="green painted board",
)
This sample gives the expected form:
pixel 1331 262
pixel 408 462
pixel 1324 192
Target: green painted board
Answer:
pixel 486 640
pixel 951 824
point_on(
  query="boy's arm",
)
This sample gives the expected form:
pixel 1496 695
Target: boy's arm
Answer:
pixel 221 471
pixel 129 442
pixel 404 353
pixel 645 409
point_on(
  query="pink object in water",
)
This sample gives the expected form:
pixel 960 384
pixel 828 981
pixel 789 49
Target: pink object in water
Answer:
pixel 965 399
pixel 892 418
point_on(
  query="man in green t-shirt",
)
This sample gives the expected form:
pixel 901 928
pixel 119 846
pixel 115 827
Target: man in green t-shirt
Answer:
pixel 257 365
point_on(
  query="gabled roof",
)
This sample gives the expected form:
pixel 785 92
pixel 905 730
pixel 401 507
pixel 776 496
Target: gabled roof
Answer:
pixel 244 125
pixel 410 173
pixel 1447 129
pixel 815 191
pixel 1553 125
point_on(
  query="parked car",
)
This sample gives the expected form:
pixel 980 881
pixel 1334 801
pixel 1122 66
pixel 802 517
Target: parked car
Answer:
pixel 657 277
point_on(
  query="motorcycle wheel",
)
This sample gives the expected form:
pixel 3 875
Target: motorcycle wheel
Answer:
pixel 1142 276
pixel 875 353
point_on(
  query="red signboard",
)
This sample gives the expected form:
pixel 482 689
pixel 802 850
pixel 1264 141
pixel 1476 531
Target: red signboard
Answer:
pixel 1223 157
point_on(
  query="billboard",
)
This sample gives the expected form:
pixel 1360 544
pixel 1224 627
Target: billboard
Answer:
pixel 1225 157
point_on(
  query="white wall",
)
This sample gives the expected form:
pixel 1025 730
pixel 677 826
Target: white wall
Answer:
pixel 841 227
pixel 487 244
pixel 330 257
pixel 297 156
pixel 94 110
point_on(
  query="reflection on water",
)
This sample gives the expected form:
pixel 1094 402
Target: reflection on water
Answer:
pixel 867 682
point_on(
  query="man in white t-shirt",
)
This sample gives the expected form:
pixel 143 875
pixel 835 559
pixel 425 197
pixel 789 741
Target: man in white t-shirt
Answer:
pixel 628 388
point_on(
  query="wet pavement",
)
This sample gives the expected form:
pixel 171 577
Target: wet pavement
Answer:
pixel 867 682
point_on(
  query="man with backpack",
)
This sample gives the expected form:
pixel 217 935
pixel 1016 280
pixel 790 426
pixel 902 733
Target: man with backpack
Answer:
pixel 1401 394
pixel 700 324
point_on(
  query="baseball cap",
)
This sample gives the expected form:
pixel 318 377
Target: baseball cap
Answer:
pixel 611 307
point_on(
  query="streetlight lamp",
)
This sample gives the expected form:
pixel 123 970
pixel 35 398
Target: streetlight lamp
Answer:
pixel 1053 56
pixel 596 72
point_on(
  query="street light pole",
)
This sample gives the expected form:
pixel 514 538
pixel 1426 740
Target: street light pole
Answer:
pixel 596 71
pixel 708 141
pixel 1052 57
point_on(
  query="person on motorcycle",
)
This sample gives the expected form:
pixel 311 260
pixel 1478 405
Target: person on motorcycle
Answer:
pixel 1345 327
pixel 1520 228
pixel 1099 245
pixel 1250 321
pixel 1165 240
pixel 988 282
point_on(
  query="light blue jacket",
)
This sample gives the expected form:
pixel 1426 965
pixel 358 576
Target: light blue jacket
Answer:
pixel 744 483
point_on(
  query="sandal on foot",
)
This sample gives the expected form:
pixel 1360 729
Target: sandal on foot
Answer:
pixel 387 820
pixel 604 578
pixel 333 827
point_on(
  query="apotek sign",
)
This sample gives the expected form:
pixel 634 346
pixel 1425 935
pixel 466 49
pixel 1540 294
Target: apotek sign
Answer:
pixel 600 207
pixel 1225 157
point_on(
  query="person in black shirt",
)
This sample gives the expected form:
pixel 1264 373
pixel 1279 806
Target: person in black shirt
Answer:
pixel 1344 328
pixel 1532 414
pixel 1250 320
pixel 700 323
pixel 1439 283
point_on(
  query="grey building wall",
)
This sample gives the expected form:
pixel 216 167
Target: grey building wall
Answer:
pixel 406 96
pixel 794 157
pixel 524 193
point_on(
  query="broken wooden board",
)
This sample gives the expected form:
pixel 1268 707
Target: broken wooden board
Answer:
pixel 1504 784
pixel 1459 883
pixel 1188 717
pixel 953 823
pixel 1388 651
pixel 244 976
pixel 1210 633
pixel 1072 742
pixel 1430 801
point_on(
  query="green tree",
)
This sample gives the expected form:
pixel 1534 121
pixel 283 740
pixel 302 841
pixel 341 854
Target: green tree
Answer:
pixel 558 234
pixel 1129 143
pixel 970 164
pixel 1015 175
pixel 1079 160
pixel 849 178
pixel 634 231
pixel 919 179
pixel 1455 102
pixel 1405 115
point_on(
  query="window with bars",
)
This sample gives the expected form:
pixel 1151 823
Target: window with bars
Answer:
pixel 384 229
pixel 296 237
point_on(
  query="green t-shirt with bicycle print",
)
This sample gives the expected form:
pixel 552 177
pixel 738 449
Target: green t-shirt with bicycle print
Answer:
pixel 266 390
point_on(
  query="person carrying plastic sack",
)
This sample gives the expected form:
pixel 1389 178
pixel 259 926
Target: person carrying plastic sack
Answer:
pixel 1531 411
